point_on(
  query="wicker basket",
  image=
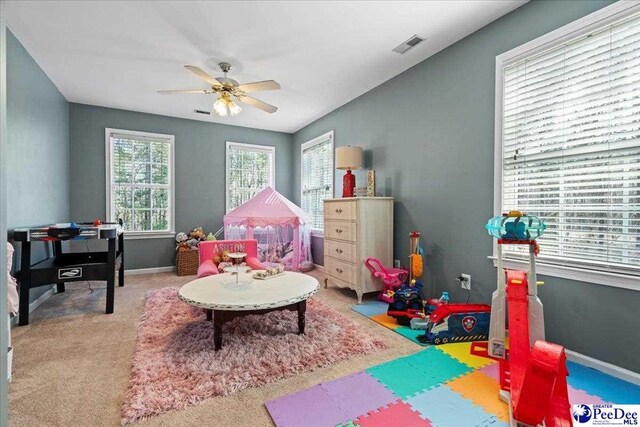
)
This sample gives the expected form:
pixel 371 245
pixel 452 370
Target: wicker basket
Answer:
pixel 187 262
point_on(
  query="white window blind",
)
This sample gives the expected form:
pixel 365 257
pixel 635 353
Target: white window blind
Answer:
pixel 250 168
pixel 317 177
pixel 571 147
pixel 140 181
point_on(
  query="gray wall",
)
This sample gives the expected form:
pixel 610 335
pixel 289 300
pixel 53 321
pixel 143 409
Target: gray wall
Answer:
pixel 38 143
pixel 37 149
pixel 429 135
pixel 199 163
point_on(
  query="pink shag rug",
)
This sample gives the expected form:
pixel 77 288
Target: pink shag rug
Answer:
pixel 175 366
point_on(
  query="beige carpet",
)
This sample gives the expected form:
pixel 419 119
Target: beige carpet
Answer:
pixel 72 363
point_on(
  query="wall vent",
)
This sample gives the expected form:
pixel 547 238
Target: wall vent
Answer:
pixel 202 112
pixel 408 44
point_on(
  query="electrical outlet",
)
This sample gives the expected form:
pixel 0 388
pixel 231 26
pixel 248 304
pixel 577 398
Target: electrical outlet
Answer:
pixel 396 263
pixel 466 281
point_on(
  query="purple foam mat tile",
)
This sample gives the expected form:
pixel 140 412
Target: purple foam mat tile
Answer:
pixel 358 394
pixel 577 396
pixel 492 370
pixel 312 407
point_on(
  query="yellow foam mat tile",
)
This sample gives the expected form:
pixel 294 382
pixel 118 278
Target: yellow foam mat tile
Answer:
pixel 483 391
pixel 462 352
pixel 386 321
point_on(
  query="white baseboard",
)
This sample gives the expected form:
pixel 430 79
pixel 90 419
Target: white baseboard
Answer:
pixel 149 270
pixel 37 303
pixel 607 368
pixel 319 267
pixel 52 290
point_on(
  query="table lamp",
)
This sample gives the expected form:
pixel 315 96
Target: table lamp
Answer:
pixel 348 158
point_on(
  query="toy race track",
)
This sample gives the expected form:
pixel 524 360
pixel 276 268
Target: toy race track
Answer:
pixel 533 373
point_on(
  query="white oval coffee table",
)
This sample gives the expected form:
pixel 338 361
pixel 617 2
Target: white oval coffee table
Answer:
pixel 226 296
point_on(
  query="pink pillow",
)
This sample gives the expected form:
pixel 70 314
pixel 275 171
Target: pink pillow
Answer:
pixel 207 268
pixel 254 263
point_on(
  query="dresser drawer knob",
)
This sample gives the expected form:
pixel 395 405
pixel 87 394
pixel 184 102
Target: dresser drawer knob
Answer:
pixel 339 270
pixel 339 230
pixel 338 211
pixel 339 251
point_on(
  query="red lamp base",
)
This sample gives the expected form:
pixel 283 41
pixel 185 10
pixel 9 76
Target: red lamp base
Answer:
pixel 348 184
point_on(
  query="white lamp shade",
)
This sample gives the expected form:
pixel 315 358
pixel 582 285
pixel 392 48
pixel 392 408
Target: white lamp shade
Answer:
pixel 349 157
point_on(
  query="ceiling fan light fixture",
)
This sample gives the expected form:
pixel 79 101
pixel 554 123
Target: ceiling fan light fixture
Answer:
pixel 234 108
pixel 230 92
pixel 220 107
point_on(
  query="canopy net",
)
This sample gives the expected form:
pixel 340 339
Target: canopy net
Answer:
pixel 277 245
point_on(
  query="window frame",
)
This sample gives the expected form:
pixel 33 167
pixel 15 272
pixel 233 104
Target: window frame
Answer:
pixel 108 173
pixel 579 28
pixel 309 144
pixel 249 147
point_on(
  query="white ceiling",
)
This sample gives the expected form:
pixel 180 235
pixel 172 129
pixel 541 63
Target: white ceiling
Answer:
pixel 323 53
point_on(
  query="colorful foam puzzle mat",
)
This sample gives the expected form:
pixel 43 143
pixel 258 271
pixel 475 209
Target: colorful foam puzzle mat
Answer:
pixel 440 386
pixel 377 311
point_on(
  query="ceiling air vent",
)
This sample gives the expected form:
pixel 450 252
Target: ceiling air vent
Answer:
pixel 405 46
pixel 202 112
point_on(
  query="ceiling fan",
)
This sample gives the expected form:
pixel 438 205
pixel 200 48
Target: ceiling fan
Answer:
pixel 230 91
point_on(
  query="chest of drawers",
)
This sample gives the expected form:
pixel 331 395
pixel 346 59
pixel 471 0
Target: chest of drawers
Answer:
pixel 354 230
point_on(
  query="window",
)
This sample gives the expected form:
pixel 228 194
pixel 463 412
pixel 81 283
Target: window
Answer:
pixel 250 168
pixel 568 144
pixel 317 177
pixel 140 177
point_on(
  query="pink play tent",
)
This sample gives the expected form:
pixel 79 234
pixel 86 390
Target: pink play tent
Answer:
pixel 282 229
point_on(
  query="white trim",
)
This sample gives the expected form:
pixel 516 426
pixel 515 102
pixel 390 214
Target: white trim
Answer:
pixel 269 149
pixel 172 174
pixel 4 314
pixel 579 28
pixel 37 302
pixel 607 368
pixel 53 289
pixel 151 270
pixel 576 29
pixel 605 278
pixel 319 267
pixel 330 135
pixel 137 235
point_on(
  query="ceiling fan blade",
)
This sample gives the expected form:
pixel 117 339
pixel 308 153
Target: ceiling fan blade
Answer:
pixel 258 104
pixel 203 75
pixel 258 86
pixel 168 92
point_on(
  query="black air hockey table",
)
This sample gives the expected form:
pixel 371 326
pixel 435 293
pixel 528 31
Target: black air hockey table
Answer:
pixel 70 266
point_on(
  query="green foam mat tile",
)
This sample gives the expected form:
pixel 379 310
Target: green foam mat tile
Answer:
pixel 418 372
pixel 399 377
pixel 437 365
pixel 348 424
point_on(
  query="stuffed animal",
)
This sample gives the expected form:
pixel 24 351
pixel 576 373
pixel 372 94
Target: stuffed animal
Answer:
pixel 210 236
pixel 181 239
pixel 193 244
pixel 197 233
